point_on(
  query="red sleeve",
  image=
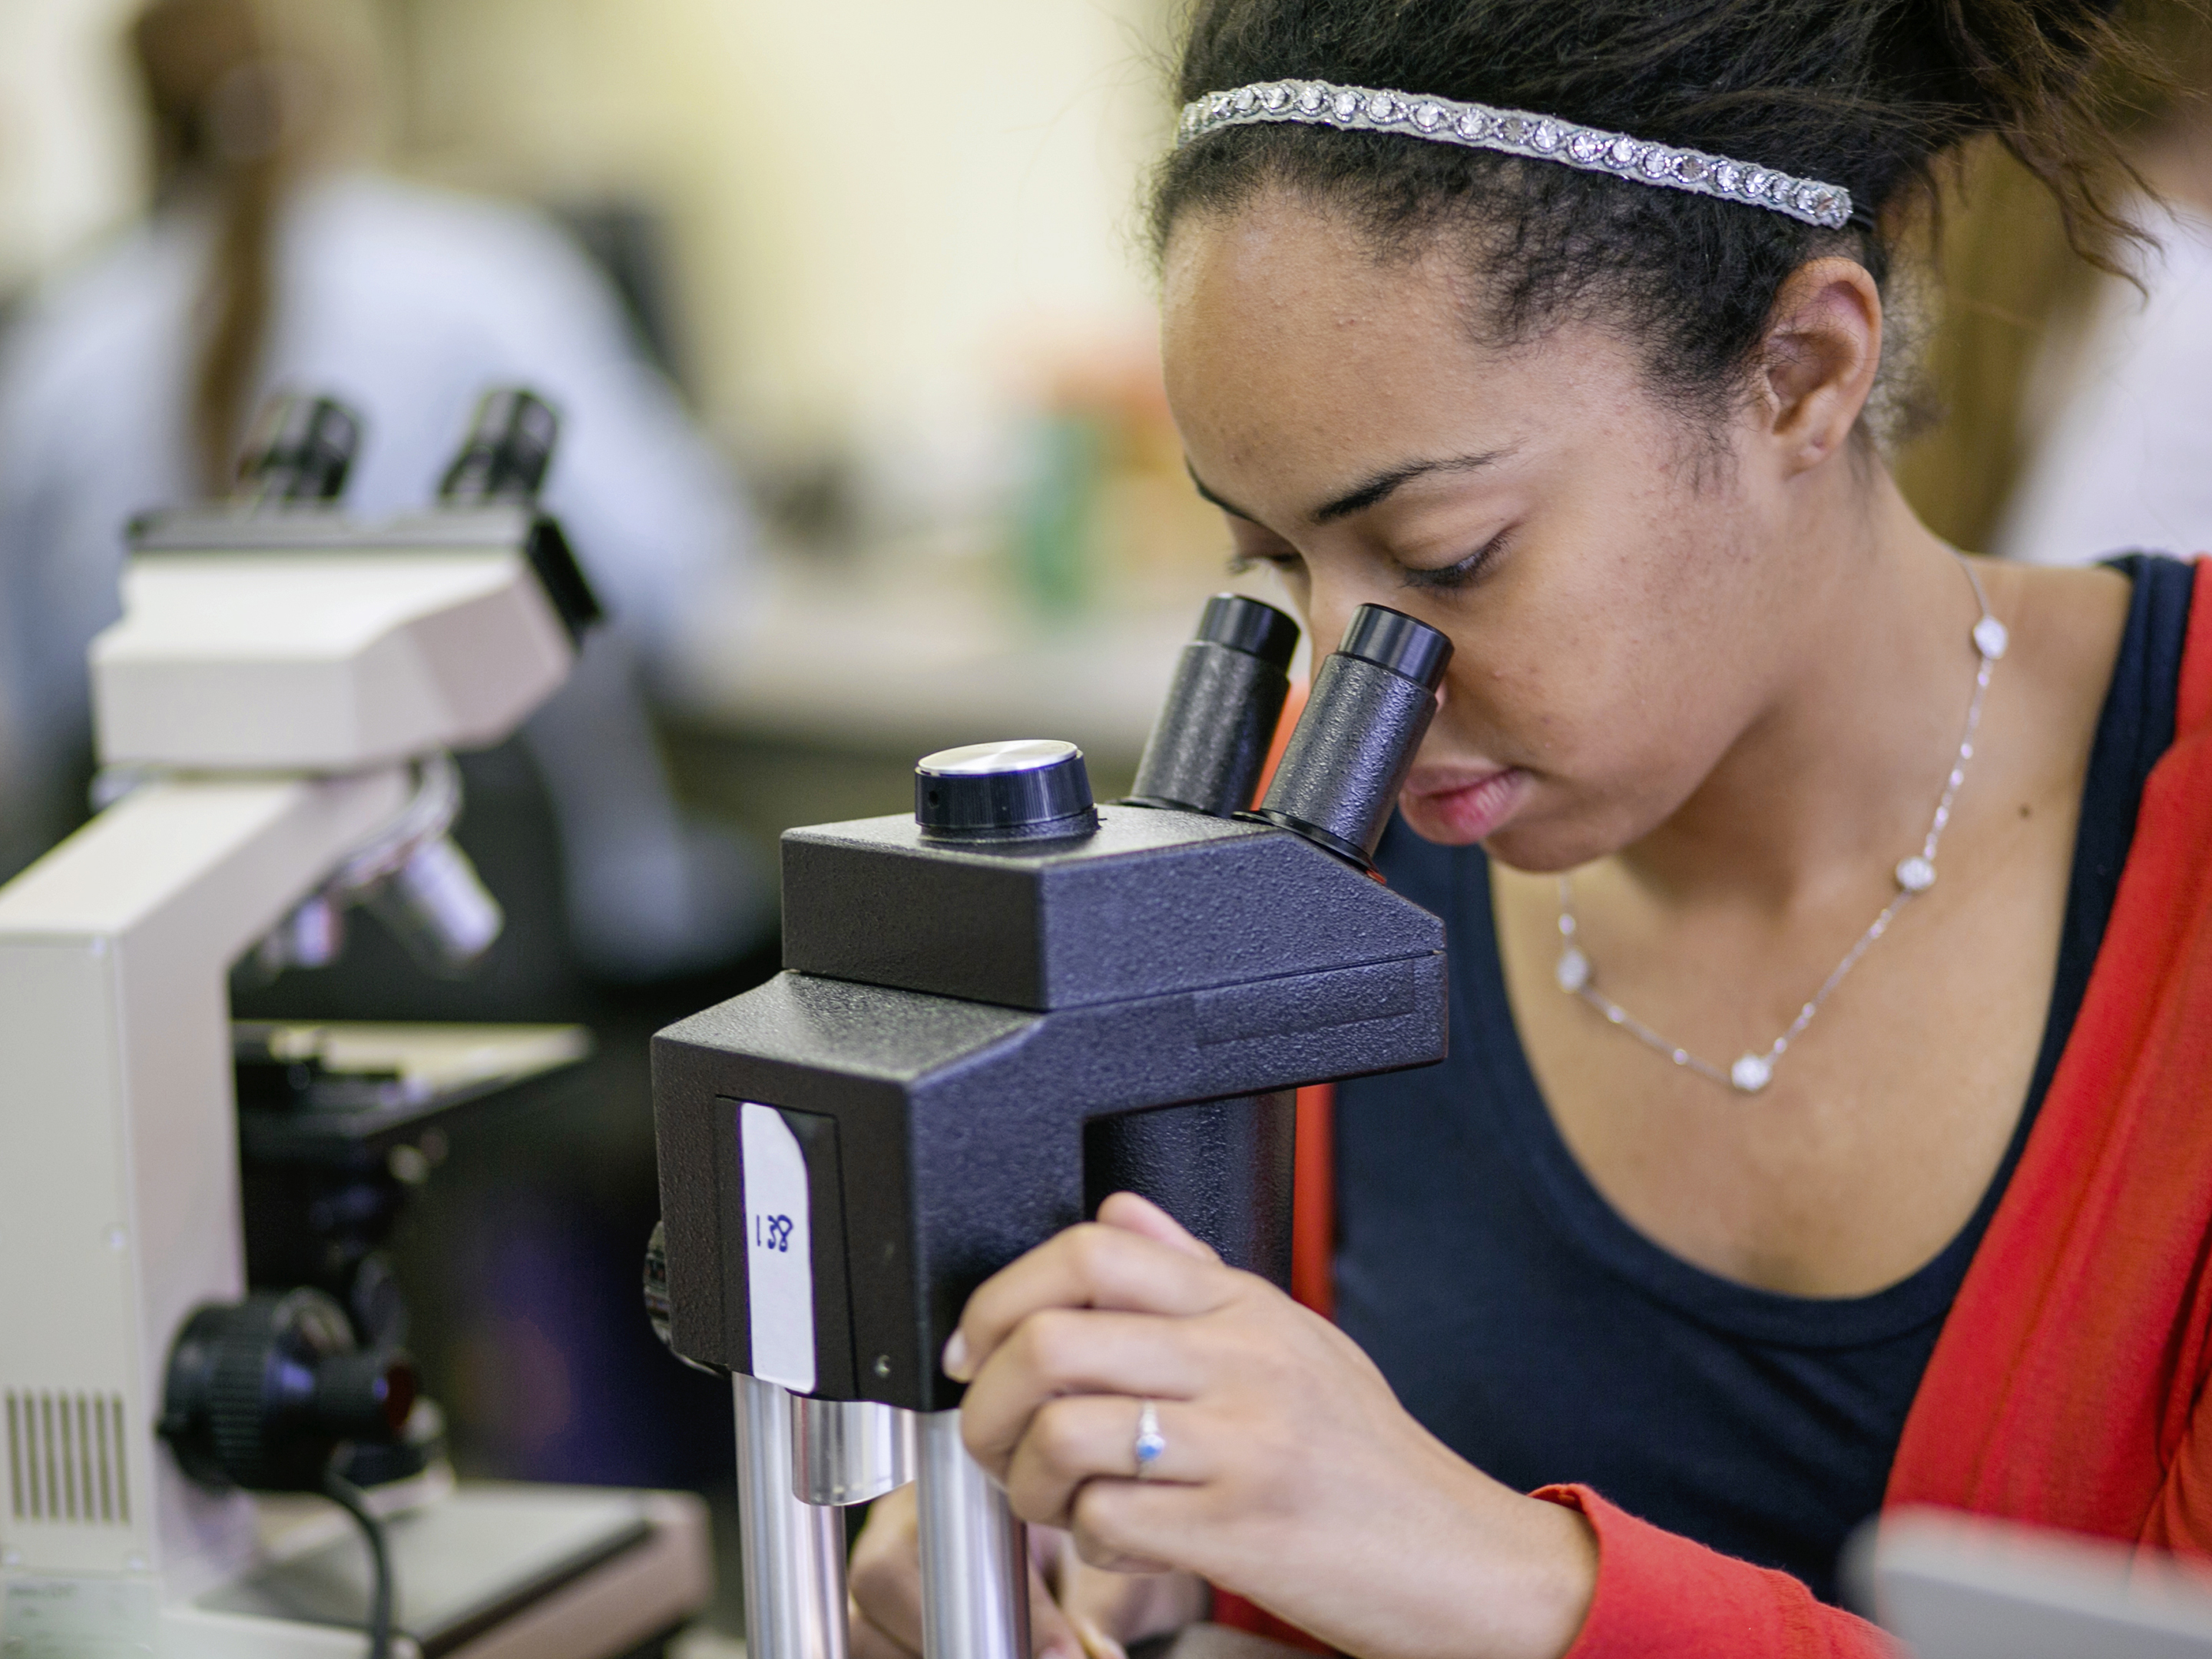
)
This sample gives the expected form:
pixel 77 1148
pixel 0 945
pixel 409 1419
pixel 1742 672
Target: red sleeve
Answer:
pixel 1661 1596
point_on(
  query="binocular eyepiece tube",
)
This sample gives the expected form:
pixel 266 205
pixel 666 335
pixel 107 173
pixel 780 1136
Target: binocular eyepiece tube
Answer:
pixel 299 453
pixel 1211 738
pixel 504 457
pixel 1372 705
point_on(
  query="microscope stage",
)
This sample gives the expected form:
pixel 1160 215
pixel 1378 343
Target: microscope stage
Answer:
pixel 327 1089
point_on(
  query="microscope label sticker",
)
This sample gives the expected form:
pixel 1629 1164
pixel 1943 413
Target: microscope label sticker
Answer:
pixel 779 1248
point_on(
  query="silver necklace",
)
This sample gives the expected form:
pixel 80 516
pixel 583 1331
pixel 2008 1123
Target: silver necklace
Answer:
pixel 1914 875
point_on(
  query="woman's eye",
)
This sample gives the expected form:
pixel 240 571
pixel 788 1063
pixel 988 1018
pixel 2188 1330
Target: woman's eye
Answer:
pixel 1285 561
pixel 1466 572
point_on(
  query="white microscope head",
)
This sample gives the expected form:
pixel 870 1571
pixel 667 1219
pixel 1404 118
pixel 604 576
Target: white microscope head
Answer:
pixel 295 642
pixel 271 633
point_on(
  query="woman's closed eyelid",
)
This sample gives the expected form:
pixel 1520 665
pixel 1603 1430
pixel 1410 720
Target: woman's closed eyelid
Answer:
pixel 1448 575
pixel 1285 560
pixel 1460 575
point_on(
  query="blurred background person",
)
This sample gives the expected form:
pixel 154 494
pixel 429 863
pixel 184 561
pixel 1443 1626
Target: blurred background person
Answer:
pixel 2076 404
pixel 275 257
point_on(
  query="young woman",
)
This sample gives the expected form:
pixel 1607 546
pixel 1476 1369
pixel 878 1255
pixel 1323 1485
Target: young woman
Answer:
pixel 1830 914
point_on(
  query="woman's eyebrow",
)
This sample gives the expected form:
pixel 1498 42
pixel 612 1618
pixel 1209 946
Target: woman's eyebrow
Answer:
pixel 1206 495
pixel 1361 497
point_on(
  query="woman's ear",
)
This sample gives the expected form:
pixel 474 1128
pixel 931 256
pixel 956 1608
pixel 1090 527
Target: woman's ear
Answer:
pixel 1821 353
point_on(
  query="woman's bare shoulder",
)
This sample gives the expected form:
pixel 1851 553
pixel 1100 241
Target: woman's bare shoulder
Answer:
pixel 2066 624
pixel 2065 621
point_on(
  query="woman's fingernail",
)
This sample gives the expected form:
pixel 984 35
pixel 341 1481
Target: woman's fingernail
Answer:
pixel 1096 1643
pixel 955 1367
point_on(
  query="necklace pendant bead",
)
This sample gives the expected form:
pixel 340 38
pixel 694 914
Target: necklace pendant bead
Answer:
pixel 1914 874
pixel 1573 971
pixel 1990 638
pixel 1751 1072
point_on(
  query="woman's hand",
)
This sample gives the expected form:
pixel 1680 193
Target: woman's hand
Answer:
pixel 1290 1475
pixel 1076 1612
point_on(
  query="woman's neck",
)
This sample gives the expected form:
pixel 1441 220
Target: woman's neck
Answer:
pixel 1840 768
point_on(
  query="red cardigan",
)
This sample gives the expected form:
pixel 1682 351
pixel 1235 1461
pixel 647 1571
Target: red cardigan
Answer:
pixel 2067 1387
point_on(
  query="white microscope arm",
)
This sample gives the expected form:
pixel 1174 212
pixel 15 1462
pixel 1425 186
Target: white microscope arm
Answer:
pixel 120 1179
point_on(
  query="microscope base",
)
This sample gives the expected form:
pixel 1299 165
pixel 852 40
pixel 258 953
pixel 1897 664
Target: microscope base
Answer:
pixel 487 1571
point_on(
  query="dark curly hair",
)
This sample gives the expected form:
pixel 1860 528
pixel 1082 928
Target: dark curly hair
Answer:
pixel 1867 94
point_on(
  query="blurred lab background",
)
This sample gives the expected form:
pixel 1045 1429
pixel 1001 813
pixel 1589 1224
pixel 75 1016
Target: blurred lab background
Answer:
pixel 864 448
pixel 846 312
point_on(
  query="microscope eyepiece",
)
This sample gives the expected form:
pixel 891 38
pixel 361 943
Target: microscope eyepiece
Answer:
pixel 1392 640
pixel 1211 738
pixel 1372 705
pixel 1026 789
pixel 300 452
pixel 1246 625
pixel 504 457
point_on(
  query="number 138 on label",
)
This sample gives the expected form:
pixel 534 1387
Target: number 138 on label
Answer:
pixel 778 1252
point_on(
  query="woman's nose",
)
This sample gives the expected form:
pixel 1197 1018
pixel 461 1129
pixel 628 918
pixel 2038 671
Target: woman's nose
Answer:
pixel 1327 612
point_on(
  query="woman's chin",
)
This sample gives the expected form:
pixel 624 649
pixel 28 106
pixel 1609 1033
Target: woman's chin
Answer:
pixel 1464 813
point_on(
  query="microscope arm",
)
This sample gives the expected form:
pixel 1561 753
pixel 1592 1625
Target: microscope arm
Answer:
pixel 119 1196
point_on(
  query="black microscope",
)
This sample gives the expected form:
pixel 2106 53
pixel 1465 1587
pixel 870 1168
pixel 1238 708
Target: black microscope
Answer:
pixel 994 1013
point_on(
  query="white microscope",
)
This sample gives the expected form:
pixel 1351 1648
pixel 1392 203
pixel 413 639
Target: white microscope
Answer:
pixel 280 697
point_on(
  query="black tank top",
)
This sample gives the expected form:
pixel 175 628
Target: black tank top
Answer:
pixel 1544 1338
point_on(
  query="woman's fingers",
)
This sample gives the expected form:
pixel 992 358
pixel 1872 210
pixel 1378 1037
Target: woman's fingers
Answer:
pixel 869 1641
pixel 1096 1643
pixel 884 1578
pixel 884 1582
pixel 1086 1267
pixel 1051 1635
pixel 1069 1351
pixel 1141 1215
pixel 1088 1438
pixel 1129 1606
pixel 1114 1523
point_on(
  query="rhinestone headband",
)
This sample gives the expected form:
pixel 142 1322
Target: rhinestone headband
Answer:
pixel 1517 132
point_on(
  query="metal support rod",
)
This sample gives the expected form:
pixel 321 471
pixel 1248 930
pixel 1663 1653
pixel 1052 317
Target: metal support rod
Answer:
pixel 793 1552
pixel 849 1451
pixel 974 1558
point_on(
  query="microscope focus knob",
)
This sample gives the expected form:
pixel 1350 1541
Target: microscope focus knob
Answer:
pixel 261 1392
pixel 1028 788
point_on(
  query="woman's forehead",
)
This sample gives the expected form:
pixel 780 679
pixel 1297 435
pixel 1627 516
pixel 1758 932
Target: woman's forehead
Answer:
pixel 1289 348
pixel 1286 259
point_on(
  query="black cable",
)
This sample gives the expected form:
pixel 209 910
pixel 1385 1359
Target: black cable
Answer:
pixel 354 1501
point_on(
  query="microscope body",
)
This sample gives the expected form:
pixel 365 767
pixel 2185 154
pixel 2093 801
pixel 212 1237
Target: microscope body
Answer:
pixel 973 1042
pixel 299 642
pixel 277 699
pixel 275 714
pixel 993 1014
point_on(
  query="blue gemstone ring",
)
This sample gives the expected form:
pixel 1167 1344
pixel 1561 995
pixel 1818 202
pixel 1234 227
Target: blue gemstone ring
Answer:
pixel 1151 1445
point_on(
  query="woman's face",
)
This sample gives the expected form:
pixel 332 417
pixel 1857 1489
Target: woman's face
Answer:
pixel 1613 573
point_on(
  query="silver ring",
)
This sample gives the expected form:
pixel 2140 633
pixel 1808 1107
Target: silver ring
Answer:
pixel 1151 1445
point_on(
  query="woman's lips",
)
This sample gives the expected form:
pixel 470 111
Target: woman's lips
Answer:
pixel 1466 808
